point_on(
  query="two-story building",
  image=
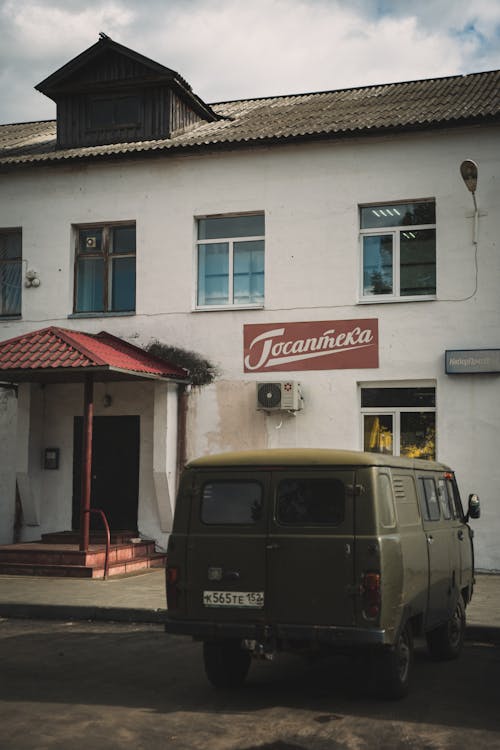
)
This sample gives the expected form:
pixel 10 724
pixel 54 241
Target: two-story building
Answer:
pixel 322 252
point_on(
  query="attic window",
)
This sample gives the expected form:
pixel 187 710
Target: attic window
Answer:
pixel 113 112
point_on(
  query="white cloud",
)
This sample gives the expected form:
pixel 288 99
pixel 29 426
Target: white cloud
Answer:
pixel 236 49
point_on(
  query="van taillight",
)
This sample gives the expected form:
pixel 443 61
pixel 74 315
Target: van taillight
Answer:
pixel 371 588
pixel 172 587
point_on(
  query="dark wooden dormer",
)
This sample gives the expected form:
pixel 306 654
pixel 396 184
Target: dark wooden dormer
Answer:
pixel 111 94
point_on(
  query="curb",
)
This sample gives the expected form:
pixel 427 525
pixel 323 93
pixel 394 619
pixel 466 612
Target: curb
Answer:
pixel 77 612
pixel 482 633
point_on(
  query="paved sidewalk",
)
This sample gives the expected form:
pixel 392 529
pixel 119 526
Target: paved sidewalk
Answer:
pixel 141 598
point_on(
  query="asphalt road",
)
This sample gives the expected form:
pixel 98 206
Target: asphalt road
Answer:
pixel 115 685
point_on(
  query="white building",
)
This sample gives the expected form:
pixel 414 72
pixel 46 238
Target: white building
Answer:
pixel 154 216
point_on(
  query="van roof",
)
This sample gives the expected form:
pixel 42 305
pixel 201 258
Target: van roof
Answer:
pixel 311 457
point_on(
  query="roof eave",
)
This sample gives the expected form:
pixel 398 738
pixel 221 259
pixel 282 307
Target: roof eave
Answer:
pixel 11 163
pixel 79 374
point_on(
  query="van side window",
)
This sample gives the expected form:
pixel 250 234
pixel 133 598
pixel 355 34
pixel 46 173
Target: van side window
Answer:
pixel 311 501
pixel 406 500
pixel 445 501
pixel 455 495
pixel 385 502
pixel 231 503
pixel 430 504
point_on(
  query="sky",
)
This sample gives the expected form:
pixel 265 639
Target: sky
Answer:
pixel 238 49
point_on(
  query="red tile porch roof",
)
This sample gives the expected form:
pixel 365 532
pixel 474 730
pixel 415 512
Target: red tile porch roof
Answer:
pixel 59 350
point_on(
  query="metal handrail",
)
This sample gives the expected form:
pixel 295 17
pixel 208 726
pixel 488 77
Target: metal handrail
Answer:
pixel 108 537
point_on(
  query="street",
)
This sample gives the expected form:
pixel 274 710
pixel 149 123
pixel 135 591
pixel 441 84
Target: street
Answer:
pixel 114 685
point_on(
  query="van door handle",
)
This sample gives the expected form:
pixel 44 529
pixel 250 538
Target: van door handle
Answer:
pixel 272 546
pixel 460 534
pixel 430 538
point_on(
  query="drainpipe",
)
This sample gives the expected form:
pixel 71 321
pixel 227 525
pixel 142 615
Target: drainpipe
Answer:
pixel 88 416
pixel 182 406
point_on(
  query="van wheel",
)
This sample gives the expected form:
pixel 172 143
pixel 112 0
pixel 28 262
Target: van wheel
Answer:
pixel 226 663
pixel 394 667
pixel 446 641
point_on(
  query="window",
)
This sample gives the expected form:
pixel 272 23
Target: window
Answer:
pixel 10 272
pixel 429 500
pixel 231 503
pixel 399 421
pixel 398 247
pixel 230 261
pixel 311 502
pixel 105 269
pixel 114 112
pixel 445 500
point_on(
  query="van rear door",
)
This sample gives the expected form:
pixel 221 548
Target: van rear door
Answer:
pixel 310 548
pixel 226 548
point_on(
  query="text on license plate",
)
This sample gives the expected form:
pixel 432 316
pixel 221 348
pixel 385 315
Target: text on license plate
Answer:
pixel 253 599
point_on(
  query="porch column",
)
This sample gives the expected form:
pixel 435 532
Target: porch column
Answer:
pixel 88 416
pixel 165 451
pixel 28 448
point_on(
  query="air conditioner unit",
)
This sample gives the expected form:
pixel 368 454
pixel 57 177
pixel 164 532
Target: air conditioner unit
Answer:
pixel 281 396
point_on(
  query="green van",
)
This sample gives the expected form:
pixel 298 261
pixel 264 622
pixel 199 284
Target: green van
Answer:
pixel 314 550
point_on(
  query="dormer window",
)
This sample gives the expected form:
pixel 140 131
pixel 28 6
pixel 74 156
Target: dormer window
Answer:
pixel 111 94
pixel 114 112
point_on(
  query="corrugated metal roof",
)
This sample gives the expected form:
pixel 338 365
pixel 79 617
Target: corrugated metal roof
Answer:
pixel 54 348
pixel 411 105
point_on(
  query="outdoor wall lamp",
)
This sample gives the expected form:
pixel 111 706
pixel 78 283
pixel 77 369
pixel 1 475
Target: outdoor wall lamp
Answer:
pixel 469 172
pixel 31 279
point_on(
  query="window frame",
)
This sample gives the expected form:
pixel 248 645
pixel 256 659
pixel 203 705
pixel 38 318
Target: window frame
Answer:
pixel 114 124
pixel 230 305
pixel 395 232
pixel 108 256
pixel 232 482
pixel 4 263
pixel 395 412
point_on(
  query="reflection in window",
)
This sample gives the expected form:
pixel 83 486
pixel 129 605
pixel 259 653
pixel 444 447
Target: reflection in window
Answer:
pixel 311 501
pixel 378 433
pixel 430 500
pixel 399 421
pixel 401 260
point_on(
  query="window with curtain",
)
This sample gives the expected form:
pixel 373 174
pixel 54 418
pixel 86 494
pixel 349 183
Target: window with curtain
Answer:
pixel 10 272
pixel 230 261
pixel 105 268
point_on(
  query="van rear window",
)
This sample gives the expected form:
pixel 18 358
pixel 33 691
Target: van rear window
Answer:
pixel 311 501
pixel 231 503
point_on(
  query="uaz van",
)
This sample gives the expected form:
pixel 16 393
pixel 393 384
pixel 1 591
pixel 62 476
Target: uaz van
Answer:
pixel 305 549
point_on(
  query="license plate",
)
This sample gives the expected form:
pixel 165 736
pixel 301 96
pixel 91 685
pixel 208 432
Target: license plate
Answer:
pixel 253 599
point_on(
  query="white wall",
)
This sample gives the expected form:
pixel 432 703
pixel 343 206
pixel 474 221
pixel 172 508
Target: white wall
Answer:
pixel 310 195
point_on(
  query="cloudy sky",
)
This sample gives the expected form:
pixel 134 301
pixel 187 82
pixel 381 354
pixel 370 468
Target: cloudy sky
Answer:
pixel 234 49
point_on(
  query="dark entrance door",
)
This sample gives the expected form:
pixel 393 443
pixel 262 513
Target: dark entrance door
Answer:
pixel 115 471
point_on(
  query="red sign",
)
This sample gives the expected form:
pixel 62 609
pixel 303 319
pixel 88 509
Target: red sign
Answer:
pixel 317 345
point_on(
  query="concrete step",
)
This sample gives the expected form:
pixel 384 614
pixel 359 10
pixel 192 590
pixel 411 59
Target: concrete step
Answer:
pixel 68 554
pixel 123 567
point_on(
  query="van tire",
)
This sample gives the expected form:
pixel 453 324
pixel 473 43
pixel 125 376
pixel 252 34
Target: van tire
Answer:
pixel 394 667
pixel 446 642
pixel 226 663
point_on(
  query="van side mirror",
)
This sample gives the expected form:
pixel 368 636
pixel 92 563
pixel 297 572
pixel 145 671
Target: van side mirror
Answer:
pixel 474 509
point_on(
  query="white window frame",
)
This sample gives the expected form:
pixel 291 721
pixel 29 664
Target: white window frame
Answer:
pixel 395 233
pixel 230 305
pixel 395 412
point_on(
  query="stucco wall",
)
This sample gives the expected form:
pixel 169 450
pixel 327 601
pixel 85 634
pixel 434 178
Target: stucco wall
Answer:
pixel 310 195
